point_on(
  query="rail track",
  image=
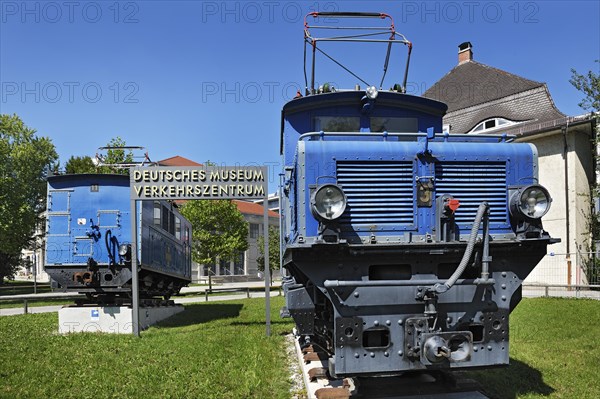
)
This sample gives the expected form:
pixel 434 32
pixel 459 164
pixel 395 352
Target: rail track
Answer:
pixel 314 367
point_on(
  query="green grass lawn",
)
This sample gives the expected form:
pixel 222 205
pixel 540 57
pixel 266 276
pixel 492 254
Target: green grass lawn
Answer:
pixel 212 350
pixel 554 352
pixel 219 350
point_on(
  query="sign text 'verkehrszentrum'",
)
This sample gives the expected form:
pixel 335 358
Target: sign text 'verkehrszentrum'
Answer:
pixel 203 182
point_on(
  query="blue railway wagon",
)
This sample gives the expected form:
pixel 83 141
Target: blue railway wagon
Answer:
pixel 88 246
pixel 405 248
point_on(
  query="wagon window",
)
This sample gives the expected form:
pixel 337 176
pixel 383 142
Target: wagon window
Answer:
pixel 157 213
pixel 165 218
pixel 171 223
pixel 177 228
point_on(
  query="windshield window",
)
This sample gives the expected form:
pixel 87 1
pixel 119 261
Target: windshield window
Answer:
pixel 396 125
pixel 337 123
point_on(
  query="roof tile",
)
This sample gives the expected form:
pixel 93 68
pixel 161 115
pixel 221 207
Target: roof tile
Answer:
pixel 251 208
pixel 178 161
pixel 471 83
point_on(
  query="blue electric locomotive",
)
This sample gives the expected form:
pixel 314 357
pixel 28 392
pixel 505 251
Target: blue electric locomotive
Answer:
pixel 88 245
pixel 405 248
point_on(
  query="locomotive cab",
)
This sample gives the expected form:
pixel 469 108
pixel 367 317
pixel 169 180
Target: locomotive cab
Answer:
pixel 405 247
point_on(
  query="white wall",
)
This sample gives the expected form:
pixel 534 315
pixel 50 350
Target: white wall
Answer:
pixel 554 269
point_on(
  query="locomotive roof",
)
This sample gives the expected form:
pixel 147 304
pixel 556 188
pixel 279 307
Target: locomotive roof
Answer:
pixel 354 97
pixel 78 177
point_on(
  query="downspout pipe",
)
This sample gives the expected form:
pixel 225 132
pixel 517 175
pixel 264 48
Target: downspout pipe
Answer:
pixel 565 131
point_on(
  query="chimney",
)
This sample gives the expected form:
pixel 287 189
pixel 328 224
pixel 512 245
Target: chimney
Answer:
pixel 465 52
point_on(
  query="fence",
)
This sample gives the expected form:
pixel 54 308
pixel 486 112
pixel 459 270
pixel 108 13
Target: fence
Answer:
pixel 574 274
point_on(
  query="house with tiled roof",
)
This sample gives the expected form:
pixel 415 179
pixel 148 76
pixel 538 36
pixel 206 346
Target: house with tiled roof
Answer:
pixel 245 264
pixel 485 100
pixel 178 160
pixel 478 95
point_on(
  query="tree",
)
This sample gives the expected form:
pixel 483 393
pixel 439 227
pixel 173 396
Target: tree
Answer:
pixel 115 157
pixel 80 165
pixel 273 250
pixel 590 86
pixel 218 230
pixel 25 160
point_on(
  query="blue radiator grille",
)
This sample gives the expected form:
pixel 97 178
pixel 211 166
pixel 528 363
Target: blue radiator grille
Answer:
pixel 471 183
pixel 380 194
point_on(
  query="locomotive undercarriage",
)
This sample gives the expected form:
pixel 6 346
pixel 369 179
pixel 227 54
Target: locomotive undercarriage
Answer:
pixel 375 309
pixel 104 284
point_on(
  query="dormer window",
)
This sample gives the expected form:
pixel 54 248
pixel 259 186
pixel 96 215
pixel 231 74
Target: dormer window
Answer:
pixel 491 124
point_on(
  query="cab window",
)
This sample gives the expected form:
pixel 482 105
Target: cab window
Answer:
pixel 393 124
pixel 337 123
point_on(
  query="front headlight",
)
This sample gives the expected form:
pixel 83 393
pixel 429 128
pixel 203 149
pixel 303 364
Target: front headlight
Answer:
pixel 328 202
pixel 371 92
pixel 123 249
pixel 531 202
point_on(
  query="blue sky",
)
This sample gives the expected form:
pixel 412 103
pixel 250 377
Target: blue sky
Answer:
pixel 207 80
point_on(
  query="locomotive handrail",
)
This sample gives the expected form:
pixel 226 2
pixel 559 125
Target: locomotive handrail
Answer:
pixel 388 283
pixel 500 139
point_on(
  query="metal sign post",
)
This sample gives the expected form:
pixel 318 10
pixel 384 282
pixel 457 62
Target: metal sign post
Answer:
pixel 196 183
pixel 135 291
pixel 267 269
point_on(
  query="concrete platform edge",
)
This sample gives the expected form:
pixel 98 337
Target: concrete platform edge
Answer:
pixel 110 319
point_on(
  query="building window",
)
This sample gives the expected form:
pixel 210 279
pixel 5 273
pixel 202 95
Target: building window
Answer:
pixel 224 267
pixel 210 269
pixel 491 124
pixel 238 264
pixel 253 230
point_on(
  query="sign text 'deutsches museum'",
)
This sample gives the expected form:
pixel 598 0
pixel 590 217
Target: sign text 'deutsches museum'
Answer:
pixel 203 182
